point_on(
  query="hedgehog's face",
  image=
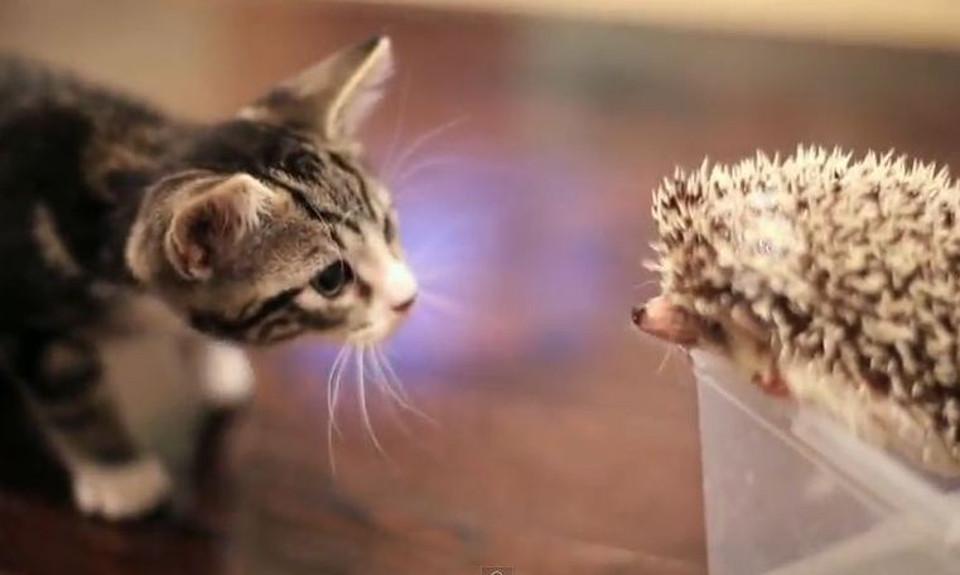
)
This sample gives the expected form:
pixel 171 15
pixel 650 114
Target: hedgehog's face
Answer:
pixel 737 334
pixel 675 324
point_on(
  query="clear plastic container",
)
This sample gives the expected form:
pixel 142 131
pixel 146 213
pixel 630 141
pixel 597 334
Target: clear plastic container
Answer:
pixel 789 492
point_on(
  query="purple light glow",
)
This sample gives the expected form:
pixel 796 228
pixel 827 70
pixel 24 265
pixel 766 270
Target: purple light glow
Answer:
pixel 462 228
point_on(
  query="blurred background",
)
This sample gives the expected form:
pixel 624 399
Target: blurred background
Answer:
pixel 522 139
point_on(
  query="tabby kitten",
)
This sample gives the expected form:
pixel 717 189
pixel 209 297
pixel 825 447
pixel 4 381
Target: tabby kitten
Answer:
pixel 118 222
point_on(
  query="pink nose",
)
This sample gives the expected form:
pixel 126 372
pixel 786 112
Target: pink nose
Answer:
pixel 405 306
pixel 668 322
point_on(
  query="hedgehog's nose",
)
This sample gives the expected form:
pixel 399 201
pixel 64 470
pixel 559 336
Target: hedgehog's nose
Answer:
pixel 665 321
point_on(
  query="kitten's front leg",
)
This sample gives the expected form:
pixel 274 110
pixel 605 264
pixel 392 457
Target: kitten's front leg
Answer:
pixel 112 477
pixel 225 374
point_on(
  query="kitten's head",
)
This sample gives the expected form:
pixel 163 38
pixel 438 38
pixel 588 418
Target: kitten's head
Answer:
pixel 269 225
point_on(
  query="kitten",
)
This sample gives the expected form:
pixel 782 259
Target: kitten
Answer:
pixel 117 222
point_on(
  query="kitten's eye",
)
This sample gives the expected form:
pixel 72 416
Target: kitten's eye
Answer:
pixel 333 279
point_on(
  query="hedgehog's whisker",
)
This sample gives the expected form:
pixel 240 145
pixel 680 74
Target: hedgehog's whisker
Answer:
pixel 666 358
pixel 642 285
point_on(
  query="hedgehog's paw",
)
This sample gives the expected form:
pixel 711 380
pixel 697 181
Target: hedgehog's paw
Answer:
pixel 771 382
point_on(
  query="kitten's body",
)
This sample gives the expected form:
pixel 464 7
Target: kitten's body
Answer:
pixel 73 161
pixel 119 224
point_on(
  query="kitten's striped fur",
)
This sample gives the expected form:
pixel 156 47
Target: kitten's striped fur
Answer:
pixel 254 230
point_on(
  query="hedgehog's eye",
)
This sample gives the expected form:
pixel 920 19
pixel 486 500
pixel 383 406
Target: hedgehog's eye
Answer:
pixel 714 331
pixel 332 280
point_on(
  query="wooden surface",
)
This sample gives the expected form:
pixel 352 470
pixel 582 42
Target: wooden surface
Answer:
pixel 563 443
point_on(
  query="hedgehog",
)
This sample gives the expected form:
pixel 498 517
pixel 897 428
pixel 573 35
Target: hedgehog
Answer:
pixel 829 281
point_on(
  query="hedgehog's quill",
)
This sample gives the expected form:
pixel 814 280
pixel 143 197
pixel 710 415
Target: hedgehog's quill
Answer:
pixel 831 281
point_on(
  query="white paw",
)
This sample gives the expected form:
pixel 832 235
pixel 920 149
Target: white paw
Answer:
pixel 227 376
pixel 123 491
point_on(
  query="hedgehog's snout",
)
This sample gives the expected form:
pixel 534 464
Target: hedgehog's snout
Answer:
pixel 665 321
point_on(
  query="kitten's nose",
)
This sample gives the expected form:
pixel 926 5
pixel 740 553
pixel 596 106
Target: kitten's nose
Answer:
pixel 400 287
pixel 405 306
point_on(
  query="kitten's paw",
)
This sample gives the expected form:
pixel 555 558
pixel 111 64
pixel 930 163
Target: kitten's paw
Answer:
pixel 124 491
pixel 227 376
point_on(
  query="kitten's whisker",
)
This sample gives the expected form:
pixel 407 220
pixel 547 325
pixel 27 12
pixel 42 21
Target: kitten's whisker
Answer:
pixel 452 229
pixel 430 248
pixel 380 378
pixel 443 304
pixel 362 394
pixel 456 310
pixel 333 390
pixel 337 381
pixel 438 274
pixel 433 276
pixel 331 457
pixel 437 253
pixel 419 143
pixel 398 388
pixel 426 164
pixel 398 126
pixel 331 413
pixel 396 391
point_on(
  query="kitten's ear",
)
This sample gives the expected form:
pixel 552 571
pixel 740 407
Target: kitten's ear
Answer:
pixel 331 98
pixel 207 226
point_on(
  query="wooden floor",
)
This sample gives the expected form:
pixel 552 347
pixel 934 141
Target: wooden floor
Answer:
pixel 562 443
